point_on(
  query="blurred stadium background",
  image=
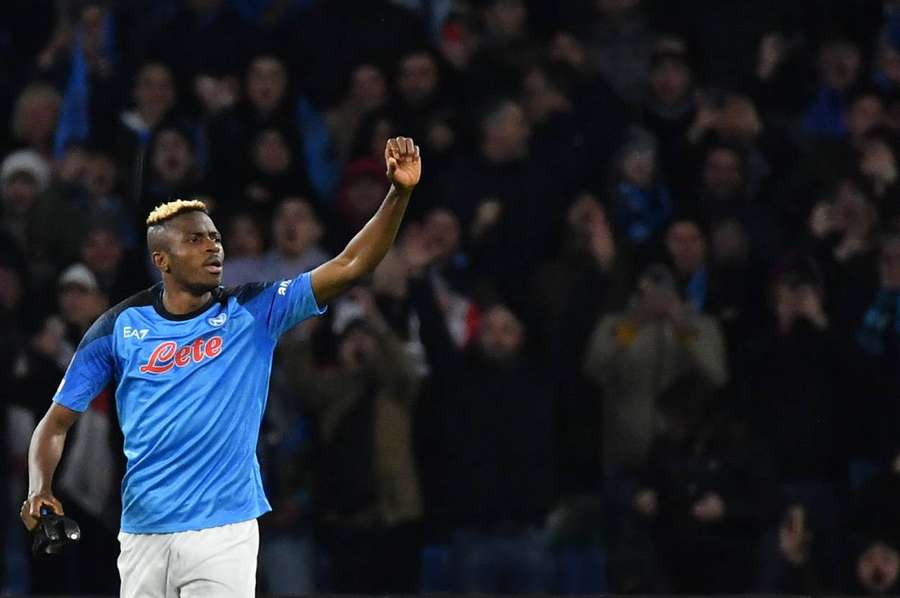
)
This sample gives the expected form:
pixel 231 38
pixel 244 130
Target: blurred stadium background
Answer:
pixel 639 333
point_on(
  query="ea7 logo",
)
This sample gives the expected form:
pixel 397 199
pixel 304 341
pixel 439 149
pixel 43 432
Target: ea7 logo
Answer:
pixel 282 287
pixel 135 333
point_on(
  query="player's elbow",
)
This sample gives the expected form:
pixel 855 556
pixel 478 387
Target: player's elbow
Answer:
pixel 57 420
pixel 353 267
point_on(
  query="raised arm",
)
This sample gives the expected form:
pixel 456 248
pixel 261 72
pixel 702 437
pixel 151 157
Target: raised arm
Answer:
pixel 366 250
pixel 43 456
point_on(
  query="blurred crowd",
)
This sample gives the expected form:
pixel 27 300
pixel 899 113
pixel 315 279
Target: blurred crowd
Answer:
pixel 640 331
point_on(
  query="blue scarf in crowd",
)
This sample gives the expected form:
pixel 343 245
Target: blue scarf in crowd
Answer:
pixel 74 117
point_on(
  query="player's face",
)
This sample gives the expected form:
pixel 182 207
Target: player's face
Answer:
pixel 195 255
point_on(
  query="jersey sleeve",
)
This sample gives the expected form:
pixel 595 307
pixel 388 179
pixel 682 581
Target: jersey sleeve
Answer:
pixel 281 305
pixel 91 369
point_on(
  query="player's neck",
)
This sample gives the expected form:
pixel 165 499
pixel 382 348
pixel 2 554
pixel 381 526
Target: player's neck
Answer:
pixel 181 301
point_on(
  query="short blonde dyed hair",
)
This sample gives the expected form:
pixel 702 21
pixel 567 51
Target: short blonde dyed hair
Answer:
pixel 169 210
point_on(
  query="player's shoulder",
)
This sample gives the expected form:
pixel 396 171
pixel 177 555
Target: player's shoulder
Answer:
pixel 248 292
pixel 105 324
pixel 244 293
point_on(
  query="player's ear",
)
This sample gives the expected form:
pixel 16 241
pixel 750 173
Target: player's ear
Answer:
pixel 161 261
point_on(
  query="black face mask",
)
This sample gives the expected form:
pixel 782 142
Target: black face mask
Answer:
pixel 53 533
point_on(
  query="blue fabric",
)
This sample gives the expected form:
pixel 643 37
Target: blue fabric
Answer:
pixel 74 119
pixel 892 29
pixel 875 321
pixel 882 82
pixel 190 396
pixel 642 213
pixel 576 570
pixel 502 563
pixel 891 35
pixel 581 571
pixel 436 575
pixel 696 290
pixel 252 11
pixel 825 116
pixel 201 148
pixel 73 116
pixel 287 563
pixel 318 151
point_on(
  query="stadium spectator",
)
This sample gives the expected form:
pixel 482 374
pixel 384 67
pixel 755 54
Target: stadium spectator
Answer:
pixel 296 232
pixel 35 117
pixel 368 487
pixel 634 355
pixel 492 503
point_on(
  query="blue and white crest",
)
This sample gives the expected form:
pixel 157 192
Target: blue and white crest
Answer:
pixel 218 320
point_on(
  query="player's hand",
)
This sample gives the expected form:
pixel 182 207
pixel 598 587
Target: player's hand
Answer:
pixel 404 163
pixel 31 508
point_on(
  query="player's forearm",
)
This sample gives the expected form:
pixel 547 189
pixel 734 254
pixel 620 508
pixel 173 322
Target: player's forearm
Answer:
pixel 366 250
pixel 44 454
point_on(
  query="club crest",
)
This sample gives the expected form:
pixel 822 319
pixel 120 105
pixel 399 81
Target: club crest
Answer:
pixel 218 320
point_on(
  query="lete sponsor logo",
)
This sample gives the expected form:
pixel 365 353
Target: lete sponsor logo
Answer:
pixel 168 354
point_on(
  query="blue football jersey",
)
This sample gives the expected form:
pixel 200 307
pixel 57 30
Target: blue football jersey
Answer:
pixel 190 391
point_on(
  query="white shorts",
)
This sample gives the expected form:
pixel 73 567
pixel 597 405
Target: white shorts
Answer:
pixel 212 563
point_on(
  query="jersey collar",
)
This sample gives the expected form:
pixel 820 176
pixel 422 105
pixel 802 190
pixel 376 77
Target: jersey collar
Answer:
pixel 163 312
